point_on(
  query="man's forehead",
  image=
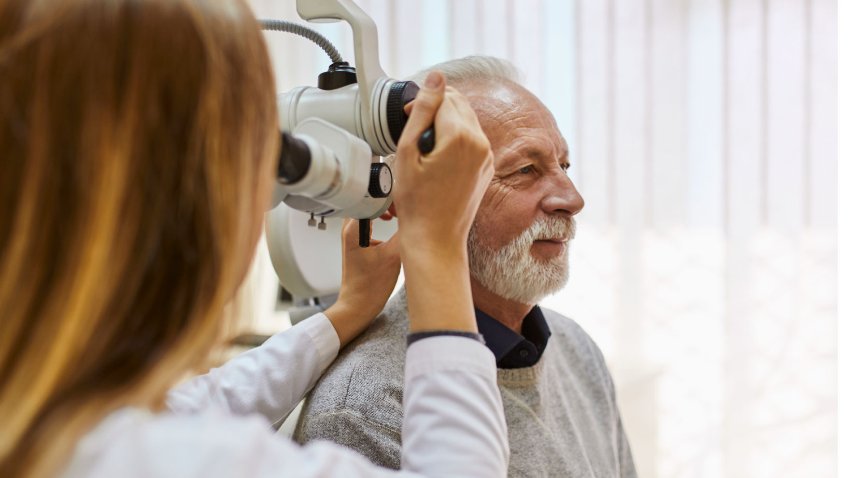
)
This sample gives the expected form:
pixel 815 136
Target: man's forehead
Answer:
pixel 501 104
pixel 497 96
pixel 501 100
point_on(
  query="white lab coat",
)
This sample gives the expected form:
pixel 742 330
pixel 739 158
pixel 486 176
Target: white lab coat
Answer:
pixel 219 426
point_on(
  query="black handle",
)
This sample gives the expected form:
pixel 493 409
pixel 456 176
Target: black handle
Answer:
pixel 365 232
pixel 427 141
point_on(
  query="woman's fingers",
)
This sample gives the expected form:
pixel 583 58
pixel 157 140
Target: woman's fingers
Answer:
pixel 423 112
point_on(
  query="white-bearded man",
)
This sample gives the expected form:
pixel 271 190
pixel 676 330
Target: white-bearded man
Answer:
pixel 557 393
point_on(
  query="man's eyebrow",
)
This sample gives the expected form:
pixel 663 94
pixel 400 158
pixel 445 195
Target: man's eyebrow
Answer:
pixel 535 153
pixel 517 157
pixel 509 162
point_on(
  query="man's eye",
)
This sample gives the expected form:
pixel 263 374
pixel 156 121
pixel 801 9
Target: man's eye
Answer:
pixel 524 170
pixel 565 167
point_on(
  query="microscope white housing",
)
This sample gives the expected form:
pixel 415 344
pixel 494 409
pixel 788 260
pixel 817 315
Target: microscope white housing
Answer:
pixel 348 107
pixel 308 261
pixel 337 182
pixel 346 131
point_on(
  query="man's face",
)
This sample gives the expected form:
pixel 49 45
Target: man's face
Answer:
pixel 519 241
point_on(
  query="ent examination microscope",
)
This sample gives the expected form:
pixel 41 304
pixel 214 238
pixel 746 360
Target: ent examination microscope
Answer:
pixel 333 141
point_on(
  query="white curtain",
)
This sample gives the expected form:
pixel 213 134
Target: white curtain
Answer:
pixel 703 138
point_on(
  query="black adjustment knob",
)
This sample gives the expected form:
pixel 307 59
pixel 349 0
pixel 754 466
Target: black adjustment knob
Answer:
pixel 380 180
pixel 339 74
pixel 402 93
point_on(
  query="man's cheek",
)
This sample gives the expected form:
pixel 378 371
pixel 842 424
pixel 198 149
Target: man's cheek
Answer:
pixel 498 196
pixel 509 227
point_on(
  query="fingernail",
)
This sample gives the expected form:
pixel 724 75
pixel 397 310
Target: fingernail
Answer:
pixel 433 79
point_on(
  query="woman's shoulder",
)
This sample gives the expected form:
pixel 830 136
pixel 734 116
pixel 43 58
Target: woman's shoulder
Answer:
pixel 133 442
pixel 136 443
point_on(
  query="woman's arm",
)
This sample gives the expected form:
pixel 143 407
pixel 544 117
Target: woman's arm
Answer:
pixel 270 379
pixel 273 378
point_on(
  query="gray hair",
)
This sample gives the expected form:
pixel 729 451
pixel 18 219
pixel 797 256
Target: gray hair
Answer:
pixel 471 69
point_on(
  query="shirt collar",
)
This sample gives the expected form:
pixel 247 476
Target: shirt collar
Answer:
pixel 511 349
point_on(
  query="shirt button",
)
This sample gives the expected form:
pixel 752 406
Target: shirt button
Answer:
pixel 523 353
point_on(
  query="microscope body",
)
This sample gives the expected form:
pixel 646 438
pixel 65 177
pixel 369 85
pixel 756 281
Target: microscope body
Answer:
pixel 334 139
pixel 335 134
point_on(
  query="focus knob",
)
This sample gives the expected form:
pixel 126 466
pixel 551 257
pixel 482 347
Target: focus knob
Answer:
pixel 401 93
pixel 380 180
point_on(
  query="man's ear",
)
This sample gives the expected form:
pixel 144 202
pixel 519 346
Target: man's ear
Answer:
pixel 389 213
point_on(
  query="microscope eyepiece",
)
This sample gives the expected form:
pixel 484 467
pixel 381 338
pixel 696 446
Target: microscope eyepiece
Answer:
pixel 294 160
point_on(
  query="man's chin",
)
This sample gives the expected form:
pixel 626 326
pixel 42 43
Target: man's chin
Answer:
pixel 530 284
pixel 520 272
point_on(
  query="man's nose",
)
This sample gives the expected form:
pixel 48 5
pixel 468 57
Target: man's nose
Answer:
pixel 562 197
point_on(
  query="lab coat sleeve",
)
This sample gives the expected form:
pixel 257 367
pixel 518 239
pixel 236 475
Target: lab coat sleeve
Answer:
pixel 453 427
pixel 454 422
pixel 270 379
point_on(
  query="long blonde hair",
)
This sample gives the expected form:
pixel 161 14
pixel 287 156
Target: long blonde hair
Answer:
pixel 134 138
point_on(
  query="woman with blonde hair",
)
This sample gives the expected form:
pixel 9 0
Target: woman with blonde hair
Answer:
pixel 137 151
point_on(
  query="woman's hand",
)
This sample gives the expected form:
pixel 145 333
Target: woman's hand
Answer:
pixel 368 277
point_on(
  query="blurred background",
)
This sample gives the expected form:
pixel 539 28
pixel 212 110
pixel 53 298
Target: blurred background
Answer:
pixel 703 137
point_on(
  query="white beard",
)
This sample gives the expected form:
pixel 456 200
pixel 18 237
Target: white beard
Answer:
pixel 511 272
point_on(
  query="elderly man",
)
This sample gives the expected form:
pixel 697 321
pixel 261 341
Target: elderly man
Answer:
pixel 557 392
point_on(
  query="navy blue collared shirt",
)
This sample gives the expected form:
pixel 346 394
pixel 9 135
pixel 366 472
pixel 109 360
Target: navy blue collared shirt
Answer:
pixel 511 349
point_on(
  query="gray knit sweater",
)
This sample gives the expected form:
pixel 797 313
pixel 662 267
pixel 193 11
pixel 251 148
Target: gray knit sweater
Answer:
pixel 562 416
